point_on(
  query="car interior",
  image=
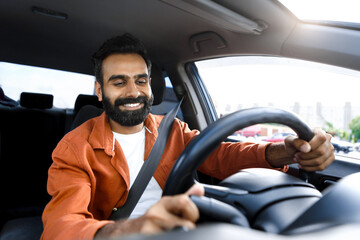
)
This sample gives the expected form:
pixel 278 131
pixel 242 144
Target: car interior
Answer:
pixel 179 35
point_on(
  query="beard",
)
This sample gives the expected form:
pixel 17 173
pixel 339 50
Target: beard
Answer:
pixel 125 117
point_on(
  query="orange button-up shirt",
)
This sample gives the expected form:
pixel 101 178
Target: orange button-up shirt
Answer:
pixel 90 176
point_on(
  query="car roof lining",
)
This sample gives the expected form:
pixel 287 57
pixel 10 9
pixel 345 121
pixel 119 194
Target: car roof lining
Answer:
pixel 168 41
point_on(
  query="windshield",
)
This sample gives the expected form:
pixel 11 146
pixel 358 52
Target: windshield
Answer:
pixel 324 96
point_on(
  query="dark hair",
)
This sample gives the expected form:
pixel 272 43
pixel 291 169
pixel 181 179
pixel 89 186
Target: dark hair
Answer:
pixel 119 44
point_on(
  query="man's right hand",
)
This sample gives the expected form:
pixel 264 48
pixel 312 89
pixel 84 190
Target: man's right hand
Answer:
pixel 166 214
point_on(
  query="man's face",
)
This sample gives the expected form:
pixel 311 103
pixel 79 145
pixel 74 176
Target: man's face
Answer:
pixel 126 92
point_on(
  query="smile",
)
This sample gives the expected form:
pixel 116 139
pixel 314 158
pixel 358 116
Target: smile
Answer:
pixel 132 105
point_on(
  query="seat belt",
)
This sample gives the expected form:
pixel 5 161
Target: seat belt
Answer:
pixel 148 169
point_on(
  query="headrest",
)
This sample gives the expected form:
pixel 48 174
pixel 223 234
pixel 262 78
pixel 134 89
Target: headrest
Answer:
pixel 157 84
pixel 36 100
pixel 84 99
pixel 85 113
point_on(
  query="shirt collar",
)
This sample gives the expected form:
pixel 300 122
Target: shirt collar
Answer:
pixel 101 136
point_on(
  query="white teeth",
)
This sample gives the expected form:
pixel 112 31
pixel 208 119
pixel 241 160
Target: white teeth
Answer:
pixel 131 104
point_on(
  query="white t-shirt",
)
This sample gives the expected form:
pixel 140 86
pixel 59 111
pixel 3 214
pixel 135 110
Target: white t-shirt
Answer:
pixel 133 146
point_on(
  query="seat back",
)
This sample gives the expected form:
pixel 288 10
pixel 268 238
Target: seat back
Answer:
pixel 28 135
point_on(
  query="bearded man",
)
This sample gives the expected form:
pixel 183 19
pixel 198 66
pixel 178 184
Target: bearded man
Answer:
pixel 95 165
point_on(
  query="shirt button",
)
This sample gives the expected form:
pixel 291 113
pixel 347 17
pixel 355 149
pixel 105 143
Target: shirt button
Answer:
pixel 114 209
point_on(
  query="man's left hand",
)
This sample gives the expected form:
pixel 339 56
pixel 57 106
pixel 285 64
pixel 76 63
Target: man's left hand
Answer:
pixel 315 155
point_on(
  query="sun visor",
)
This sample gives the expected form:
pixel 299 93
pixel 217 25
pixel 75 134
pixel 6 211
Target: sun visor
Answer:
pixel 219 15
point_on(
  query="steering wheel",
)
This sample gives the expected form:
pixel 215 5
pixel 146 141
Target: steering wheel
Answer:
pixel 182 175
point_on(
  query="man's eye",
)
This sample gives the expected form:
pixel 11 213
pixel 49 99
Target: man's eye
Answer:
pixel 119 83
pixel 142 81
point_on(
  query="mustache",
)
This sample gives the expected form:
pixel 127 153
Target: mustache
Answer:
pixel 122 101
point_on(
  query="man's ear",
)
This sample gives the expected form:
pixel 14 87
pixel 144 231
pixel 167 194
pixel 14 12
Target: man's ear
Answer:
pixel 98 91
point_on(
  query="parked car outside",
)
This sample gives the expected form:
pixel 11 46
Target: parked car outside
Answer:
pixel 357 146
pixel 251 131
pixel 342 146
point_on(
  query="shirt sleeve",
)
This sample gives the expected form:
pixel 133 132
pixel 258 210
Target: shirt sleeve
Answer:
pixel 67 216
pixel 229 158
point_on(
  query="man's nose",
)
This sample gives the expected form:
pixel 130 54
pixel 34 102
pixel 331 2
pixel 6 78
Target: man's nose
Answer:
pixel 132 90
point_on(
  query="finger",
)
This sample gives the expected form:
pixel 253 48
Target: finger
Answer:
pixel 321 146
pixel 302 145
pixel 152 227
pixel 315 158
pixel 166 222
pixel 317 164
pixel 298 144
pixel 170 212
pixel 320 136
pixel 179 205
pixel 176 221
pixel 323 152
pixel 196 189
pixel 184 207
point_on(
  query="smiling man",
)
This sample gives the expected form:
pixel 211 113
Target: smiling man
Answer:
pixel 95 165
pixel 126 92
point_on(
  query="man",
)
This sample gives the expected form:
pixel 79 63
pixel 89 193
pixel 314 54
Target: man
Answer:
pixel 95 165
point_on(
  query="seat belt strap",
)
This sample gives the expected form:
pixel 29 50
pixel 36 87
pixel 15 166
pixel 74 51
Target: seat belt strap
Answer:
pixel 148 169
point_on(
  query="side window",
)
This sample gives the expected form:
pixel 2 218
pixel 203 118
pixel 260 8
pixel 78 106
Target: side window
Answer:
pixel 324 96
pixel 65 86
